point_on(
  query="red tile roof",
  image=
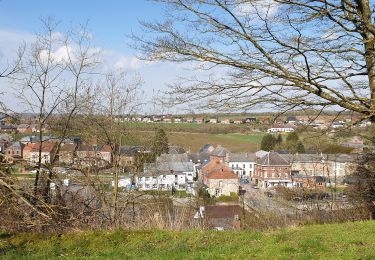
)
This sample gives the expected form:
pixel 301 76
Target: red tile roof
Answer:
pixel 222 175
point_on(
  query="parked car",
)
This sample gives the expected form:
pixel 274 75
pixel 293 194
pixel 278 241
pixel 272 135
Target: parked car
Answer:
pixel 244 181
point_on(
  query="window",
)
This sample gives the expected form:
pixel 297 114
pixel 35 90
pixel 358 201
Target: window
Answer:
pixel 250 166
pixel 220 184
pixel 139 178
pixel 243 166
pixel 147 178
pixel 217 192
pixel 237 165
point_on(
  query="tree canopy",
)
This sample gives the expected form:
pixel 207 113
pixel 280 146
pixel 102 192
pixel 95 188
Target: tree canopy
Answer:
pixel 284 53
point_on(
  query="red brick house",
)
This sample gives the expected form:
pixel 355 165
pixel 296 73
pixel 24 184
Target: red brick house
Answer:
pixel 272 170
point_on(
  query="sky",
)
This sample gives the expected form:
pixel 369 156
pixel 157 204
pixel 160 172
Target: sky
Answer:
pixel 108 21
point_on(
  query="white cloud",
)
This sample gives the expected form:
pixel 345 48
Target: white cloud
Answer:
pixel 265 8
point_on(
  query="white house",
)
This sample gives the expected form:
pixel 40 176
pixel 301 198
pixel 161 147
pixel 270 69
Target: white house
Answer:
pixel 242 164
pixel 167 175
pixel 281 128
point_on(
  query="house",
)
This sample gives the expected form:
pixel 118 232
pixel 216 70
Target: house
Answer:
pixel 156 118
pixel 309 182
pixel 8 129
pixel 31 152
pixel 88 154
pixel 5 141
pixel 238 121
pixel 250 120
pixel 126 154
pixel 175 149
pixel 221 182
pixel 177 120
pixel 356 142
pixel 67 153
pixel 147 119
pixel 220 153
pixel 336 125
pixel 243 164
pixel 24 129
pixel 167 120
pixel 14 152
pixel 291 120
pixel 189 120
pixel 213 120
pixel 272 170
pixel 214 164
pixel 306 164
pixel 167 175
pixel 207 148
pixel 220 217
pixel 225 121
pixel 281 129
pixel 199 120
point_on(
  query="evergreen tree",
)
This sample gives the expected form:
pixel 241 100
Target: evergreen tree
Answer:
pixel 292 137
pixel 268 142
pixel 300 148
pixel 279 139
pixel 160 143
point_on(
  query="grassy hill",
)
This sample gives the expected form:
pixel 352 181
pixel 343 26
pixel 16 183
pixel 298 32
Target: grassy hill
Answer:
pixel 354 240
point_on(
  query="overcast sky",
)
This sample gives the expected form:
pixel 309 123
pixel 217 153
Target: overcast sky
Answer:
pixel 109 22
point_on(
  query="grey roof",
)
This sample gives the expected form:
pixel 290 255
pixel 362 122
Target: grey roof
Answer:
pixel 350 158
pixel 301 158
pixel 132 150
pixel 160 168
pixel 174 149
pixel 272 158
pixel 261 153
pixel 199 157
pixel 220 151
pixel 206 148
pixel 16 145
pixel 242 157
pixel 173 158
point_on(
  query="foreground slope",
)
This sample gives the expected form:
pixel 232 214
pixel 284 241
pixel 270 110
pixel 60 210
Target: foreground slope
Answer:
pixel 335 241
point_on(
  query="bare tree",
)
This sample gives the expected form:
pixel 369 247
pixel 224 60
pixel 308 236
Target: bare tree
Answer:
pixel 284 53
pixel 54 76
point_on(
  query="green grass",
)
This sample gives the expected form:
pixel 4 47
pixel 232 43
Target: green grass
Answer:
pixel 354 240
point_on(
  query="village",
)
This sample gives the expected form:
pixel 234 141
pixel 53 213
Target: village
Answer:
pixel 233 180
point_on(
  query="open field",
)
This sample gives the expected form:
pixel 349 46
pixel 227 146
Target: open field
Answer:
pixel 235 142
pixel 192 127
pixel 353 240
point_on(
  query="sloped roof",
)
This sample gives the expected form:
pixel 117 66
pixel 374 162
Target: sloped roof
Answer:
pixel 214 165
pixel 16 145
pixel 222 174
pixel 160 168
pixel 206 148
pixel 46 147
pixel 220 151
pixel 272 158
pixel 68 147
pixel 242 157
pixel 301 158
pixel 173 158
pixel 222 211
